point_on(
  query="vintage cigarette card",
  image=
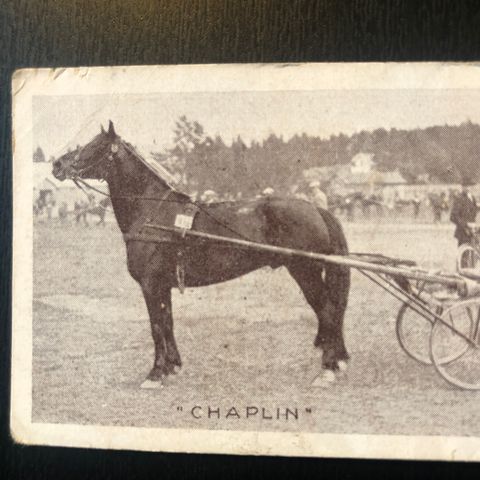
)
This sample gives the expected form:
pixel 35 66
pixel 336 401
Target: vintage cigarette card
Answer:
pixel 248 259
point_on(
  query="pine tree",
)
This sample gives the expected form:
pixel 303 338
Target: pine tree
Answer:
pixel 38 155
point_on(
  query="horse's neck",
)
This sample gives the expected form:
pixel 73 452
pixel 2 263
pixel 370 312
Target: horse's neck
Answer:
pixel 126 192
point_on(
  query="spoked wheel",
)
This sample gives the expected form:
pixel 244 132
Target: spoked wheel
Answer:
pixel 455 345
pixel 414 325
pixel 413 333
pixel 467 258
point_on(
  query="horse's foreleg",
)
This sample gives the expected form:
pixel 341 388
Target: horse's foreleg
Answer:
pixel 172 355
pixel 158 300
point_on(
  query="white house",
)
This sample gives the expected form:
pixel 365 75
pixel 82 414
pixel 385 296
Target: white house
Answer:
pixel 362 163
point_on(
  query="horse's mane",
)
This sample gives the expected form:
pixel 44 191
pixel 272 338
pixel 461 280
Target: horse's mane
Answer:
pixel 158 170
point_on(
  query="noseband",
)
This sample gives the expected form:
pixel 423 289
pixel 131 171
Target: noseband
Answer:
pixel 106 160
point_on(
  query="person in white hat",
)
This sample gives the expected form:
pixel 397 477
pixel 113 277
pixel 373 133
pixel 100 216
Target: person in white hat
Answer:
pixel 268 192
pixel 208 196
pixel 318 196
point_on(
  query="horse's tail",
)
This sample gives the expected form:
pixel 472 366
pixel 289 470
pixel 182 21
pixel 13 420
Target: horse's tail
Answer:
pixel 337 277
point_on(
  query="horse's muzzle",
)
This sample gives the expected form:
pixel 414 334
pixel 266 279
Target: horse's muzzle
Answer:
pixel 59 171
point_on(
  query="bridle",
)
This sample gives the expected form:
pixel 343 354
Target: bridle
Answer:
pixel 108 156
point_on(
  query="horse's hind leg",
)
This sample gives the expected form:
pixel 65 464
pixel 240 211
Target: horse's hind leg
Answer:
pixel 324 301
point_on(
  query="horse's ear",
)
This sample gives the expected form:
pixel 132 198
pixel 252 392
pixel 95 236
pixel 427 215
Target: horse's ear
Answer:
pixel 102 130
pixel 111 130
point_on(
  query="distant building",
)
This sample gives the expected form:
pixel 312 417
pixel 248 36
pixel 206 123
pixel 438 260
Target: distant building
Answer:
pixel 360 175
pixel 362 163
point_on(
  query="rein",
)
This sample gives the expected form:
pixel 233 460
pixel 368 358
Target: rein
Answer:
pixel 80 183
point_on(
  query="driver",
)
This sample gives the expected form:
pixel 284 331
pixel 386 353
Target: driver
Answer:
pixel 464 211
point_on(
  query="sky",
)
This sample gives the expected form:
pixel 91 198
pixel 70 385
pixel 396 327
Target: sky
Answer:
pixel 147 121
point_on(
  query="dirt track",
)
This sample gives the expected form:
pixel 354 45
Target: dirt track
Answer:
pixel 245 343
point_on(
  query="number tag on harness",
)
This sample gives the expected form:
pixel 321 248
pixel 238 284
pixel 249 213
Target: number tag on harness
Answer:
pixel 184 221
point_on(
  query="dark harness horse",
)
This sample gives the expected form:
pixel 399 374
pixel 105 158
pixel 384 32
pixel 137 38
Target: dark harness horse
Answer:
pixel 100 210
pixel 81 209
pixel 139 196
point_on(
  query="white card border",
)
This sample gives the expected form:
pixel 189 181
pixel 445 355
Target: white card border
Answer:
pixel 248 77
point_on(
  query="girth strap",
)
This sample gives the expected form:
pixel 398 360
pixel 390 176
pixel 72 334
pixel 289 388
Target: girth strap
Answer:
pixel 189 212
pixel 180 269
pixel 139 233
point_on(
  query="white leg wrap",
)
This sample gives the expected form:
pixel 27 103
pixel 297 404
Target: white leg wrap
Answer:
pixel 324 380
pixel 342 365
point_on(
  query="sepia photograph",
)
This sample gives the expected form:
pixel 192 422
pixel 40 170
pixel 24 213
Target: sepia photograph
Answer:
pixel 248 259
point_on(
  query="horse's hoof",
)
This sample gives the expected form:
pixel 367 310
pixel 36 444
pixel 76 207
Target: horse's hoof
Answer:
pixel 151 384
pixel 325 380
pixel 176 369
pixel 342 365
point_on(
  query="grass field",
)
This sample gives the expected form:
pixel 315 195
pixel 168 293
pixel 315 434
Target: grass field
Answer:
pixel 247 342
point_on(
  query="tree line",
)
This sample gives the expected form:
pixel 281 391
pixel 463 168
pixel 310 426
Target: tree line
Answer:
pixel 438 154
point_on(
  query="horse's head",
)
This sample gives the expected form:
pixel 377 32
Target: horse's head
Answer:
pixel 93 160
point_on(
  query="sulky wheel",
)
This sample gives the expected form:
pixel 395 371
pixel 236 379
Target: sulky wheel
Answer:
pixel 413 333
pixel 455 344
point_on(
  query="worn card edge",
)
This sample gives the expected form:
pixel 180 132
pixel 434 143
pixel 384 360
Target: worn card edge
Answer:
pixel 28 82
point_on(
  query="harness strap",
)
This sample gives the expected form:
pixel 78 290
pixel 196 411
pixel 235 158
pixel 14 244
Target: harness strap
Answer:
pixel 180 269
pixel 79 182
pixel 189 210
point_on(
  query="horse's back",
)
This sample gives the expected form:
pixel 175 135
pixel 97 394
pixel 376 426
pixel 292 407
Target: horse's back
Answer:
pixel 295 223
pixel 238 219
pixel 287 222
